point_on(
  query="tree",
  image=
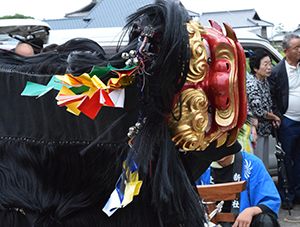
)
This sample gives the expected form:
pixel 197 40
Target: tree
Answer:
pixel 280 28
pixel 16 16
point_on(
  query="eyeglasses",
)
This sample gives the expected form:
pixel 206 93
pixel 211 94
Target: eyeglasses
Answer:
pixel 295 48
pixel 265 64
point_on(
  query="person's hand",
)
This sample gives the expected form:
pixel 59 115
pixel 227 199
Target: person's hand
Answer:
pixel 254 134
pixel 276 122
pixel 245 217
pixel 274 118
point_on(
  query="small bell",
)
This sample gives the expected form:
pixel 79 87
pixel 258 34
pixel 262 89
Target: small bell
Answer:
pixel 138 125
pixel 125 55
pixel 135 60
pixel 132 53
pixel 130 134
pixel 128 62
pixel 132 129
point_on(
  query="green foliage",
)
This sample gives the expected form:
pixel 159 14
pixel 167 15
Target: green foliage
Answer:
pixel 248 66
pixel 16 16
pixel 280 28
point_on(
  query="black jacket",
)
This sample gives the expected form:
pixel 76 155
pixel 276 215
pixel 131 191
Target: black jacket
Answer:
pixel 279 87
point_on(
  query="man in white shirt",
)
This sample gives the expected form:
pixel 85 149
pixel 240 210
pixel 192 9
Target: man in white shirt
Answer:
pixel 285 91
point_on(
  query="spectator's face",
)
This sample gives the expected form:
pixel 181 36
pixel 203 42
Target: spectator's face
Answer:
pixel 226 161
pixel 264 68
pixel 293 52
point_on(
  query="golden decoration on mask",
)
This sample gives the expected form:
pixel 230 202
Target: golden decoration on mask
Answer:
pixel 198 62
pixel 191 129
pixel 189 132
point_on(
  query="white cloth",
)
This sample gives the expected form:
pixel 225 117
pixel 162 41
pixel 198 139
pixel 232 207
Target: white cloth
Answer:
pixel 293 111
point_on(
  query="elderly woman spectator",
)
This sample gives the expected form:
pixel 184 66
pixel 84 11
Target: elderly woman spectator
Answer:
pixel 260 103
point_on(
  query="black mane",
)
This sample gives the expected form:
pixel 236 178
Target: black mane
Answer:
pixel 57 169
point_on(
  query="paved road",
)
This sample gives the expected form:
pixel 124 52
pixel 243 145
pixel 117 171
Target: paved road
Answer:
pixel 293 220
pixel 286 220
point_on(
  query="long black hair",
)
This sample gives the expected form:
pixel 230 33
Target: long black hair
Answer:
pixel 52 62
pixel 70 166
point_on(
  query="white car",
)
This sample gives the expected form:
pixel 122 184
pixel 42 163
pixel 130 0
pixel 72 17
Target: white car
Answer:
pixel 12 31
pixel 250 42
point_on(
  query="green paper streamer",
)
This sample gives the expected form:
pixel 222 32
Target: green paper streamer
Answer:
pixel 99 71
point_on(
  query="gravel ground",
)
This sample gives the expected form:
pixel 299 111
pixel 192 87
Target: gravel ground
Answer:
pixel 293 220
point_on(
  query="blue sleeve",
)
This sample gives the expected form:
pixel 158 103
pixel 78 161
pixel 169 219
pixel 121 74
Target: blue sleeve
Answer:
pixel 204 179
pixel 261 189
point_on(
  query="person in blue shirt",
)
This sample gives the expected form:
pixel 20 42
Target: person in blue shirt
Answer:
pixel 259 203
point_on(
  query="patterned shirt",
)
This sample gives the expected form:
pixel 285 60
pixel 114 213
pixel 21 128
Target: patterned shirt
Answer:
pixel 259 103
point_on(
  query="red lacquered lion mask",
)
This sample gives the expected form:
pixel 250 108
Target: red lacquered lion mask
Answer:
pixel 212 104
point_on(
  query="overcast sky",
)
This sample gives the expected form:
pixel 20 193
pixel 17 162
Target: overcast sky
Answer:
pixel 286 12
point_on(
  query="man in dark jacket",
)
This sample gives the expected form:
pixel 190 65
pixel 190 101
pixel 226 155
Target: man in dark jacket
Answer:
pixel 285 91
